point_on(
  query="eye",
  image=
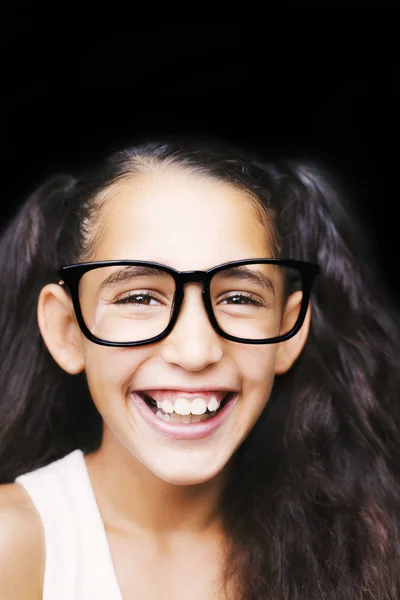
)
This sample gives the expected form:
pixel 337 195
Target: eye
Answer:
pixel 238 299
pixel 144 299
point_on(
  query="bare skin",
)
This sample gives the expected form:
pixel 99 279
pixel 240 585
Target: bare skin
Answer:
pixel 186 551
pixel 22 547
pixel 182 566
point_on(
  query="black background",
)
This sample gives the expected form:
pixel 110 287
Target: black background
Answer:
pixel 326 89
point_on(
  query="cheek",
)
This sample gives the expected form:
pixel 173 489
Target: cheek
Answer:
pixel 257 372
pixel 257 366
pixel 110 371
pixel 257 363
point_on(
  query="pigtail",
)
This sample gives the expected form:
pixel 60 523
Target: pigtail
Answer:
pixel 317 480
pixel 347 417
pixel 41 407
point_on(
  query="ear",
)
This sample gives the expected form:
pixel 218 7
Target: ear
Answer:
pixel 288 351
pixel 59 328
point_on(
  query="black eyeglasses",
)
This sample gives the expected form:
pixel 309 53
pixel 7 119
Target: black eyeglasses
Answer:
pixel 133 303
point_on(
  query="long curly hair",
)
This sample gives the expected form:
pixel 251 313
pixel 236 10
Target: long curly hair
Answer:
pixel 312 506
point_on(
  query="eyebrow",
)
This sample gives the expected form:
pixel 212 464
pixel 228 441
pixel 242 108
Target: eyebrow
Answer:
pixel 243 272
pixel 130 272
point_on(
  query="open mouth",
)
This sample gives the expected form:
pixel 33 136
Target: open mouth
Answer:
pixel 174 417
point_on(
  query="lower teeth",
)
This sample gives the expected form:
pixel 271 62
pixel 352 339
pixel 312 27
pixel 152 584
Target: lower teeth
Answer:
pixel 175 418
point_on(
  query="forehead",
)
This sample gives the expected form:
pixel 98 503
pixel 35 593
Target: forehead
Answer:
pixel 185 220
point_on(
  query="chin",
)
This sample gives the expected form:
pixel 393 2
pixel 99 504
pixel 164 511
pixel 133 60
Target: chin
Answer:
pixel 187 476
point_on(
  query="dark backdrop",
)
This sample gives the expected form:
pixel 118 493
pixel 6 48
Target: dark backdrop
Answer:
pixel 329 92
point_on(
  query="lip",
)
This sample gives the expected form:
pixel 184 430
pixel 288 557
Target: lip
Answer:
pixel 177 431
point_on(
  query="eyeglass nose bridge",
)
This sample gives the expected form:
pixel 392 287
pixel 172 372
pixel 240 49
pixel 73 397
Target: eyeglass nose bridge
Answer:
pixel 192 277
pixel 183 277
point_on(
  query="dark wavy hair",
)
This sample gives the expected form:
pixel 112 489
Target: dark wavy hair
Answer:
pixel 312 506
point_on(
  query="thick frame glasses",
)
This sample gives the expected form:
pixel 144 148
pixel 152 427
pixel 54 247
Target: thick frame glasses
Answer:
pixel 72 275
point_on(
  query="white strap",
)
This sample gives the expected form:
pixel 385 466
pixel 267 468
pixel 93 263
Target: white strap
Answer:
pixel 78 558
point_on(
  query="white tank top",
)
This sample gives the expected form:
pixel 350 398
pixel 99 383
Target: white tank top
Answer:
pixel 78 558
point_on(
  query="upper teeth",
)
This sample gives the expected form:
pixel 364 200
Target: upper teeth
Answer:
pixel 183 406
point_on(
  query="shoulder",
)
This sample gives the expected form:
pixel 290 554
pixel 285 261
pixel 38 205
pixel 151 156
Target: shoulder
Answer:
pixel 22 547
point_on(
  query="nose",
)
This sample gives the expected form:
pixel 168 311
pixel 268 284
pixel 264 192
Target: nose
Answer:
pixel 192 344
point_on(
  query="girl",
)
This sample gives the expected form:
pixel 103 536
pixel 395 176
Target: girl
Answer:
pixel 200 376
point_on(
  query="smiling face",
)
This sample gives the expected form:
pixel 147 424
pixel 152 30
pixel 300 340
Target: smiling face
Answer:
pixel 187 222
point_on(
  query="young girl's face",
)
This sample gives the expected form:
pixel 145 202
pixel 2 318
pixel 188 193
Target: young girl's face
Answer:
pixel 187 222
